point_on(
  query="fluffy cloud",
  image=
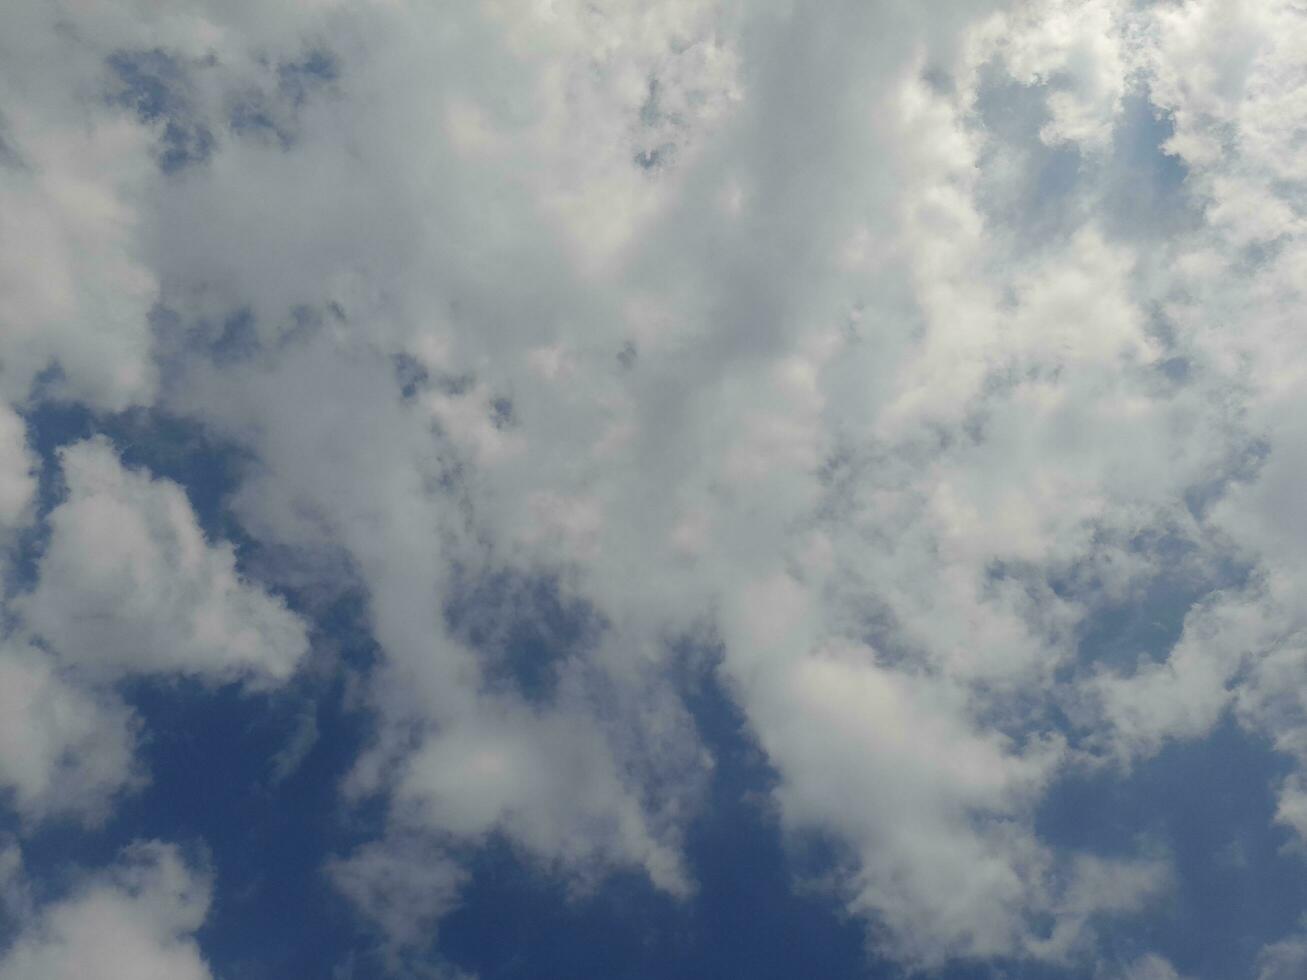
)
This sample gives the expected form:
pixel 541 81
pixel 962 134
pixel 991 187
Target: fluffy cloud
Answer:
pixel 128 583
pixel 135 921
pixel 736 322
pixel 1221 74
pixel 76 292
pixel 63 749
pixel 747 389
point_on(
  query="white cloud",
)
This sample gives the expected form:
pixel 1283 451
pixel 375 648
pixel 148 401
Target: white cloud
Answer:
pixel 75 289
pixel 1151 967
pixel 547 780
pixel 128 583
pixel 134 921
pixel 403 885
pixel 891 443
pixel 1076 48
pixel 1224 75
pixel 1283 960
pixel 63 749
pixel 671 482
pixel 17 469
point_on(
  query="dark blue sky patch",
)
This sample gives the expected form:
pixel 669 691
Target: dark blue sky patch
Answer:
pixel 227 340
pixel 210 757
pixel 216 785
pixel 1210 804
pixel 317 70
pixel 270 110
pixel 410 375
pixel 502 415
pixel 167 446
pixel 254 114
pixel 274 914
pixel 238 339
pixel 1142 627
pixel 213 753
pixel 155 85
pixel 750 916
pixel 150 83
pixel 523 626
pixel 745 919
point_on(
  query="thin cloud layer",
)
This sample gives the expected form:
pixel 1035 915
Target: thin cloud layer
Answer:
pixel 925 378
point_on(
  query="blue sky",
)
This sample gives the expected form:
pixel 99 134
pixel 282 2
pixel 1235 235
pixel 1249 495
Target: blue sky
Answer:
pixel 691 489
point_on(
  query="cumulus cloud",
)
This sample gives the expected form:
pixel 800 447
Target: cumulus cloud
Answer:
pixel 746 389
pixel 735 321
pixel 1221 74
pixel 76 291
pixel 128 583
pixel 133 921
pixel 63 748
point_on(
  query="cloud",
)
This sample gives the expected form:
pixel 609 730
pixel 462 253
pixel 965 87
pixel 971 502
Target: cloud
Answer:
pixel 76 291
pixel 1282 960
pixel 63 749
pixel 748 324
pixel 403 885
pixel 1219 74
pixel 1151 967
pixel 545 779
pixel 15 890
pixel 302 739
pixel 870 425
pixel 129 584
pixel 133 921
pixel 17 469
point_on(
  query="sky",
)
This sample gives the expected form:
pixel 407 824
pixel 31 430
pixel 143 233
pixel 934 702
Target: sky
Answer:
pixel 650 489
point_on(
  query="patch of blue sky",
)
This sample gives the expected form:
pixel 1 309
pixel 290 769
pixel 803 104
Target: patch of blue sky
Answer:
pixel 269 111
pixel 154 84
pixel 1145 194
pixel 208 750
pixel 523 626
pixel 744 919
pixel 1208 805
pixel 1039 193
pixel 1135 190
pixel 1142 627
